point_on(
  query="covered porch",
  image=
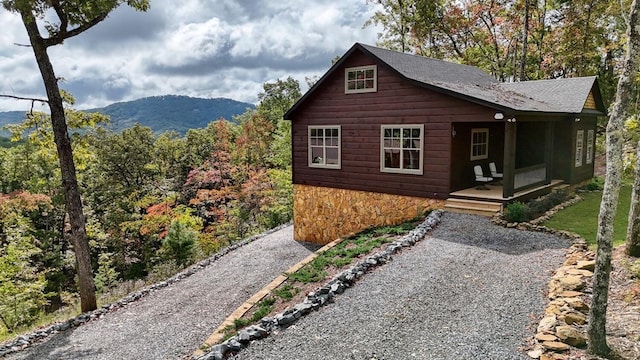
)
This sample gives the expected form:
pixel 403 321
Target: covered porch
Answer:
pixel 527 152
pixel 490 200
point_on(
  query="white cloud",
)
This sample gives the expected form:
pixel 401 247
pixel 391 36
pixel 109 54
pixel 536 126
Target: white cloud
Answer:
pixel 225 48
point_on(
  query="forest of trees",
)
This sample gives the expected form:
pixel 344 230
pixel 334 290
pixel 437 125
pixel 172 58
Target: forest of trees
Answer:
pixel 512 39
pixel 153 203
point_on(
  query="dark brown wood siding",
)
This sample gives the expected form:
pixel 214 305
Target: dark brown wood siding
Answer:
pixel 462 175
pixel 565 150
pixel 360 116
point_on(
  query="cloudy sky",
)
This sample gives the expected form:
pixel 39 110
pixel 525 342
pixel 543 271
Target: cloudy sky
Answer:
pixel 201 48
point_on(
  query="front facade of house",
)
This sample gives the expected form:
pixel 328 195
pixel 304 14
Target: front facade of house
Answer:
pixel 374 143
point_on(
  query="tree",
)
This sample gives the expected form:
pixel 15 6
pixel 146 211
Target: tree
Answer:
pixel 74 18
pixel 608 206
pixel 633 227
pixel 22 284
pixel 277 97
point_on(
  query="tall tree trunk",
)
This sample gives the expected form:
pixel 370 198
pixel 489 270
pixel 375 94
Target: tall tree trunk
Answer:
pixel 67 166
pixel 598 312
pixel 633 227
pixel 525 38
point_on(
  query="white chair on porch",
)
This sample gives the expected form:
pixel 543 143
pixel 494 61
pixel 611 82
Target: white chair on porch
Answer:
pixel 494 172
pixel 480 178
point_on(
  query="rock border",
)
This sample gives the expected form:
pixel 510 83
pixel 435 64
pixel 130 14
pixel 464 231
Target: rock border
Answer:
pixel 564 324
pixel 26 340
pixel 565 319
pixel 322 296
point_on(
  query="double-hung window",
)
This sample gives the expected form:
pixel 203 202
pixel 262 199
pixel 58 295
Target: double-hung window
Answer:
pixel 401 149
pixel 324 147
pixel 479 144
pixel 579 147
pixel 361 79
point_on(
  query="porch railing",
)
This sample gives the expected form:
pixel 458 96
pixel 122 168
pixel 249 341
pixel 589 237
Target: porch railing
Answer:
pixel 529 176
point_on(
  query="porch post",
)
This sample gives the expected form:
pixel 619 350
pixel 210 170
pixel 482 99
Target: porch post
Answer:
pixel 509 166
pixel 548 151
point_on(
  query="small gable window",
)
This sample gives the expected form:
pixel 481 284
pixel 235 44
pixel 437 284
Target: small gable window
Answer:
pixel 479 144
pixel 401 149
pixel 590 141
pixel 324 147
pixel 579 147
pixel 361 79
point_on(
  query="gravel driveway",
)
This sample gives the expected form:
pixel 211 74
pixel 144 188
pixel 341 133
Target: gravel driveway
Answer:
pixel 173 322
pixel 470 291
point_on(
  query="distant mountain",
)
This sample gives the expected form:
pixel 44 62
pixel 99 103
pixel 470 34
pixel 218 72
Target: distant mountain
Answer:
pixel 10 117
pixel 160 113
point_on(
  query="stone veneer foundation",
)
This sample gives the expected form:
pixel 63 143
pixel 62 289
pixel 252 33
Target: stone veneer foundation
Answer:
pixel 321 214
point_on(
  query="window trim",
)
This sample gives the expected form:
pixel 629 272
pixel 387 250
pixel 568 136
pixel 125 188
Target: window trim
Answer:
pixel 579 148
pixel 590 143
pixel 486 145
pixel 324 147
pixel 361 68
pixel 400 170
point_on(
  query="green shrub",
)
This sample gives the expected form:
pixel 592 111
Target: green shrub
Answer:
pixel 516 212
pixel 558 197
pixel 180 242
pixel 635 269
pixel 595 183
pixel 106 276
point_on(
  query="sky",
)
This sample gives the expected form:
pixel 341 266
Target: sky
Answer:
pixel 199 48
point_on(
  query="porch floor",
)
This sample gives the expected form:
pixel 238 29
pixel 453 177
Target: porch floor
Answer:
pixel 494 192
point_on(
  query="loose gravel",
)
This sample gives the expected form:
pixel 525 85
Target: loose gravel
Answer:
pixel 469 291
pixel 173 322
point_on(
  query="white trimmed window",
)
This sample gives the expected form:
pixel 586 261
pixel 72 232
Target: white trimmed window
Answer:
pixel 590 142
pixel 579 147
pixel 361 79
pixel 401 149
pixel 324 147
pixel 479 144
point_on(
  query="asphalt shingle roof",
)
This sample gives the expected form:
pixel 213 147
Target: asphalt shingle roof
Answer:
pixel 566 95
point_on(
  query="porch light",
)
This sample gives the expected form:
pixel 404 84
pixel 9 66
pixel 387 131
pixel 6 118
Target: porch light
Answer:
pixel 511 120
pixel 498 116
pixel 577 119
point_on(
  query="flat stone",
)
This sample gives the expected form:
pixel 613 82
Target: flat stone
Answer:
pixel 580 272
pixel 575 318
pixel 571 293
pixel 552 310
pixel 556 345
pixel 570 335
pixel 547 324
pixel 576 304
pixel 535 354
pixel 586 265
pixel 571 282
pixel 545 337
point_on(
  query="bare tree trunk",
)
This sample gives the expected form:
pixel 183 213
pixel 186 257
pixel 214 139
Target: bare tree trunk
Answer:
pixel 633 228
pixel 67 166
pixel 598 312
pixel 525 38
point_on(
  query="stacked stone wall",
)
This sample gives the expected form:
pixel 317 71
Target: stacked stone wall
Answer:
pixel 321 214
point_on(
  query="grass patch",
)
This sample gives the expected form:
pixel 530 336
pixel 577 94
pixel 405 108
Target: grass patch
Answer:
pixel 582 218
pixel 286 292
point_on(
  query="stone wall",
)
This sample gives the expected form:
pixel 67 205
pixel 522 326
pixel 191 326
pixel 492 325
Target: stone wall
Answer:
pixel 321 214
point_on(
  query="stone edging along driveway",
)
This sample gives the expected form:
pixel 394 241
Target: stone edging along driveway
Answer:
pixel 24 341
pixel 322 296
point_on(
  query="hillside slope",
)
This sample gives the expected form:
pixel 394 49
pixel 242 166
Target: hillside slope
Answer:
pixel 160 113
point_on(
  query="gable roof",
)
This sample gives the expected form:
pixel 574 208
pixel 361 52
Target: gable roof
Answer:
pixel 565 96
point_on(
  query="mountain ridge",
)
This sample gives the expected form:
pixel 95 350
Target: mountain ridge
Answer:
pixel 161 113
